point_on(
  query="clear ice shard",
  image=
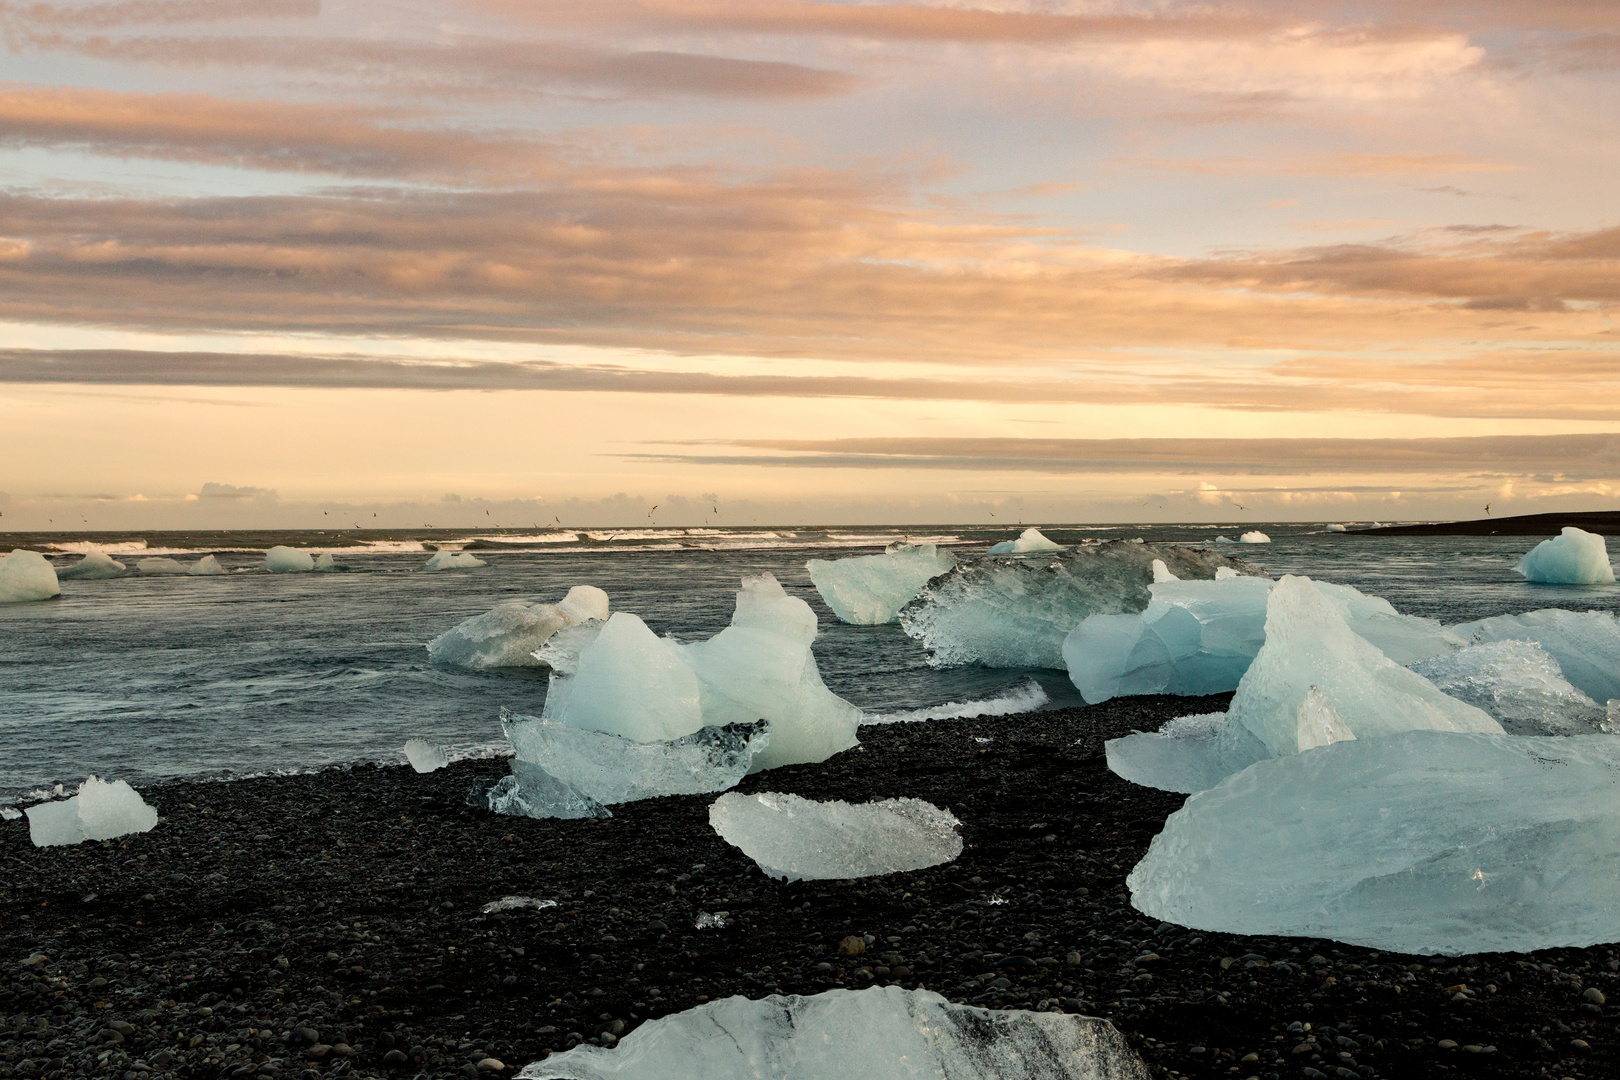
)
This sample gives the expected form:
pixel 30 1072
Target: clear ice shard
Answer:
pixel 425 756
pixel 1574 557
pixel 793 838
pixel 509 634
pixel 530 791
pixel 881 1031
pixel 1030 540
pixel 1188 754
pixel 1586 644
pixel 1421 842
pixel 102 810
pixel 94 565
pixel 445 559
pixel 1519 684
pixel 207 566
pixel 1016 612
pixel 869 590
pixel 288 560
pixel 26 575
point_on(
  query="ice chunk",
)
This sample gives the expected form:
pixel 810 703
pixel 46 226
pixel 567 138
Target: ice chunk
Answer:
pixel 445 559
pixel 158 564
pixel 881 1031
pixel 584 603
pixel 1335 527
pixel 530 791
pixel 95 565
pixel 1027 696
pixel 719 920
pixel 869 590
pixel 516 903
pixel 425 756
pixel 792 838
pixel 1518 683
pixel 325 562
pixel 1420 842
pixel 1162 574
pixel 26 575
pixel 1187 754
pixel 509 634
pixel 1309 643
pixel 1016 612
pixel 630 682
pixel 207 566
pixel 1254 537
pixel 9 813
pixel 561 651
pixel 1586 644
pixel 285 560
pixel 1028 541
pixel 102 810
pixel 1575 557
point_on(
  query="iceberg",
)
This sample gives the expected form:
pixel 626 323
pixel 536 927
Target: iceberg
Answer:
pixel 207 566
pixel 794 839
pixel 1519 684
pixel 1254 537
pixel 94 566
pixel 27 575
pixel 159 564
pixel 1422 842
pixel 1029 540
pixel 445 559
pixel 425 756
pixel 325 563
pixel 1188 754
pixel 285 560
pixel 1574 557
pixel 881 1031
pixel 102 810
pixel 869 590
pixel 508 634
pixel 1586 644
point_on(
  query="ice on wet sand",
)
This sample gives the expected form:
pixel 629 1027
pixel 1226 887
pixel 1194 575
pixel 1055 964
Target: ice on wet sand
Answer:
pixel 1574 557
pixel 26 575
pixel 94 566
pixel 869 590
pixel 1190 753
pixel 1586 644
pixel 445 559
pixel 508 634
pixel 101 810
pixel 793 838
pixel 1030 540
pixel 530 791
pixel 425 756
pixel 1519 684
pixel 885 1032
pixel 287 560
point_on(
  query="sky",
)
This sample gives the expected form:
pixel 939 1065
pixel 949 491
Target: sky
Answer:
pixel 806 262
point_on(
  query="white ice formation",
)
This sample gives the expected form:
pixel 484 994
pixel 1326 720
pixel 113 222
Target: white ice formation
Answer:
pixel 425 756
pixel 881 1031
pixel 1030 540
pixel 1336 527
pixel 869 590
pixel 516 903
pixel 445 559
pixel 102 810
pixel 1016 612
pixel 1575 557
pixel 793 838
pixel 26 575
pixel 160 564
pixel 94 566
pixel 1254 537
pixel 1423 842
pixel 325 562
pixel 509 633
pixel 286 560
pixel 1519 684
pixel 1586 644
pixel 207 566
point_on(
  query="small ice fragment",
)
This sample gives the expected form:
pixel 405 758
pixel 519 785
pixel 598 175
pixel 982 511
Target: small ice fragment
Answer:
pixel 510 633
pixel 529 791
pixel 207 566
pixel 285 560
pixel 715 921
pixel 9 813
pixel 793 838
pixel 159 564
pixel 1027 696
pixel 325 562
pixel 1254 537
pixel 446 559
pixel 982 739
pixel 1575 557
pixel 27 575
pixel 516 903
pixel 425 756
pixel 95 565
pixel 869 590
pixel 1029 540
pixel 1335 527
pixel 101 810
pixel 610 769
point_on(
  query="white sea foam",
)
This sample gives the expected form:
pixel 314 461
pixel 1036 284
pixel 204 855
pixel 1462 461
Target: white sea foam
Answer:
pixel 1027 696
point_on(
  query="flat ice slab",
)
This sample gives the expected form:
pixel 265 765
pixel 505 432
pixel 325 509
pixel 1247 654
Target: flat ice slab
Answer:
pixel 880 1032
pixel 1574 557
pixel 1519 684
pixel 94 566
pixel 445 559
pixel 1422 842
pixel 793 838
pixel 1030 540
pixel 287 560
pixel 425 756
pixel 27 575
pixel 508 634
pixel 870 590
pixel 1188 754
pixel 1586 644
pixel 101 810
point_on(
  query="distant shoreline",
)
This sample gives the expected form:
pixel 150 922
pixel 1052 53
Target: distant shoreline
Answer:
pixel 1602 522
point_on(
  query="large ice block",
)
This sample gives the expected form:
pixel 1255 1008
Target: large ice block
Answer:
pixel 1030 540
pixel 288 560
pixel 629 682
pixel 102 810
pixel 508 634
pixel 879 1032
pixel 445 559
pixel 611 769
pixel 1420 842
pixel 1574 557
pixel 26 575
pixel 869 590
pixel 1190 753
pixel 1518 683
pixel 95 565
pixel 793 838
pixel 1586 644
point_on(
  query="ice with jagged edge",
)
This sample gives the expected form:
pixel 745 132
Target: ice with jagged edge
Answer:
pixel 508 634
pixel 1029 541
pixel 1421 842
pixel 101 810
pixel 1519 684
pixel 288 560
pixel 1586 644
pixel 793 838
pixel 1574 557
pixel 870 590
pixel 1016 612
pixel 425 756
pixel 25 576
pixel 445 559
pixel 1027 696
pixel 881 1031
pixel 1254 536
pixel 95 566
pixel 1187 754
pixel 530 791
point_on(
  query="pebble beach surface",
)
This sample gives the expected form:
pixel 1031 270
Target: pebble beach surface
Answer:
pixel 332 924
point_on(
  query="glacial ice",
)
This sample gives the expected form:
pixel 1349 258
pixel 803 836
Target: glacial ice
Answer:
pixel 530 791
pixel 509 633
pixel 425 756
pixel 93 567
pixel 1254 537
pixel 881 1031
pixel 285 560
pixel 1188 754
pixel 1519 684
pixel 325 562
pixel 445 559
pixel 794 839
pixel 102 810
pixel 1405 639
pixel 1029 540
pixel 207 566
pixel 26 575
pixel 1586 644
pixel 1420 842
pixel 1574 557
pixel 1016 612
pixel 516 903
pixel 160 564
pixel 629 682
pixel 869 590
pixel 1336 528
pixel 1027 696
pixel 1161 573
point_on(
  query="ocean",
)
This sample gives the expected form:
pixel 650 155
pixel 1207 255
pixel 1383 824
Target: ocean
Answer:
pixel 146 677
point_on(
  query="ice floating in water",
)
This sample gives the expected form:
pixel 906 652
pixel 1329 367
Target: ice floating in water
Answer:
pixel 508 634
pixel 1335 527
pixel 792 838
pixel 285 560
pixel 1254 537
pixel 26 575
pixel 94 566
pixel 869 590
pixel 1575 557
pixel 1190 753
pixel 1586 644
pixel 882 1031
pixel 159 564
pixel 101 810
pixel 326 563
pixel 445 559
pixel 1422 842
pixel 516 903
pixel 1029 540
pixel 1016 612
pixel 207 566
pixel 530 791
pixel 1519 684
pixel 425 756
pixel 1027 696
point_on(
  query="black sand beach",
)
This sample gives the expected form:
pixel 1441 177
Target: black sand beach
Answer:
pixel 329 925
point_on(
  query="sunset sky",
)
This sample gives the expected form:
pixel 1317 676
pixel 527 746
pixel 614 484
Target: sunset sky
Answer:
pixel 799 262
